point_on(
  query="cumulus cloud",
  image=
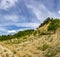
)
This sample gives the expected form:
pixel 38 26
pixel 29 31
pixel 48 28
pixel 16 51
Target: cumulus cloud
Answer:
pixel 59 12
pixel 11 31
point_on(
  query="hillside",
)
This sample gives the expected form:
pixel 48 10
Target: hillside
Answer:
pixel 42 42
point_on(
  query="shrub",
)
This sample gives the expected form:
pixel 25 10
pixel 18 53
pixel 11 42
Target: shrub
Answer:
pixel 24 33
pixel 20 34
pixel 35 32
pixel 45 46
pixel 43 33
pixel 54 25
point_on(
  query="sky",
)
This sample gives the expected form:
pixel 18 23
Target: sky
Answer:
pixel 18 15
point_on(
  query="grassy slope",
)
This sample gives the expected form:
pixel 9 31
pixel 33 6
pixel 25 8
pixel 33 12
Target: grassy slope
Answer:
pixel 37 43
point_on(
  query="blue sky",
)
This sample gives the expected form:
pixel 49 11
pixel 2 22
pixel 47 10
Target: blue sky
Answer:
pixel 16 15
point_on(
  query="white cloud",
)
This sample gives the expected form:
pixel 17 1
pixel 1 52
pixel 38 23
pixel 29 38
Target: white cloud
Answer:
pixel 13 18
pixel 32 25
pixel 5 31
pixel 59 12
pixel 6 4
pixel 38 10
pixel 11 31
pixel 41 12
pixel 2 29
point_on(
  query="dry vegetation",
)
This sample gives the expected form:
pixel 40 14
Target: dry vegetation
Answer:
pixel 39 44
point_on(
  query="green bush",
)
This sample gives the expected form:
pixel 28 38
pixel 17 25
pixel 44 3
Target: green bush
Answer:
pixel 45 46
pixel 24 33
pixel 54 25
pixel 43 33
pixel 20 34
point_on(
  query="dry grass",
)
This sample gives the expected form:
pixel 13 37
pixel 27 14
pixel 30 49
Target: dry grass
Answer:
pixel 42 46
